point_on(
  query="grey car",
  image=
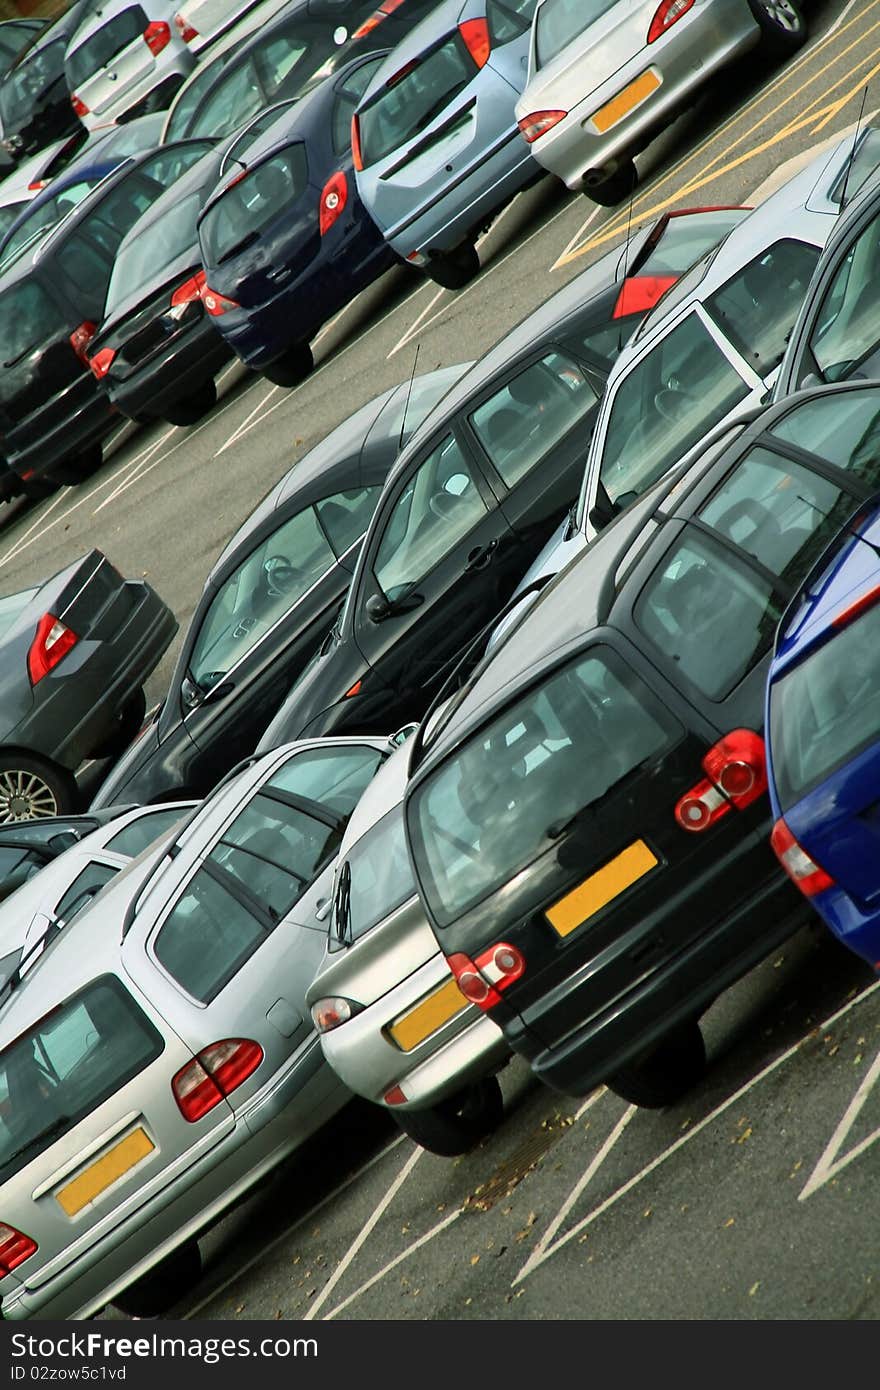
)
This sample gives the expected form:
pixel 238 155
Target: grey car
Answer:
pixel 605 75
pixel 157 1060
pixel 74 654
pixel 393 1023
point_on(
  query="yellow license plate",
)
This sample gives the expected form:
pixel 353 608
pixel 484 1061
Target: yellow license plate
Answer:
pixel 427 1017
pixel 101 1175
pixel 625 101
pixel 601 887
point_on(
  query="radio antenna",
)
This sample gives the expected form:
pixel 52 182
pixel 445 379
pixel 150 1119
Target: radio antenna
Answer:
pixel 852 154
pixel 406 402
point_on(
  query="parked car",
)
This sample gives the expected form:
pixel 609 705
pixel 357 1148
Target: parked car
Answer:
pixel 201 22
pixel 256 64
pixel 156 351
pixel 35 104
pixel 587 818
pixel 76 650
pixel 606 76
pixel 393 1023
pixel 53 417
pixel 124 61
pixel 285 243
pixel 437 152
pixel 822 686
pixel 45 210
pixel 179 1066
pixel 28 846
pixel 268 601
pixel 515 431
pixel 16 34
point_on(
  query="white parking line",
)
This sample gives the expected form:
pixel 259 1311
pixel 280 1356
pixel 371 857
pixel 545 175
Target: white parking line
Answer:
pixel 829 1164
pixel 398 1259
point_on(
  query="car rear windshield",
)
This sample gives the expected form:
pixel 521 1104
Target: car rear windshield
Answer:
pixel 374 879
pixel 826 709
pixel 143 258
pixel 506 795
pixel 28 317
pixel 103 45
pixel 758 305
pixel 252 202
pixel 64 1067
pixel 27 82
pixel 412 99
pixel 560 21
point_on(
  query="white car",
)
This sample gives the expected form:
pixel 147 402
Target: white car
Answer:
pixel 125 60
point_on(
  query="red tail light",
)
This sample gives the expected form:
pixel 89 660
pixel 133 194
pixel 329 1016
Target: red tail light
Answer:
pixel 356 143
pixel 475 33
pixel 803 871
pixel 216 304
pixel 80 339
pixel 157 35
pixel 79 107
pixel 640 293
pixel 190 290
pixel 37 185
pixel 666 15
pixel 333 200
pixel 101 362
pixel 329 1013
pixel 185 29
pixel 736 776
pixel 482 981
pixel 15 1248
pixel 216 1072
pixel 375 19
pixel 53 640
pixel 538 123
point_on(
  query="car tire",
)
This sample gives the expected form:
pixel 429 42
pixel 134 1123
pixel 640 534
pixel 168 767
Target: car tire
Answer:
pixel 190 409
pixel 614 188
pixel 455 1125
pixel 452 270
pixel 782 26
pixel 36 786
pixel 667 1073
pixel 128 722
pixel 163 1286
pixel 292 367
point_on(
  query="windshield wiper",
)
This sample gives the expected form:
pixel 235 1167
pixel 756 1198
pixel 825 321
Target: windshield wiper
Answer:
pixel 50 1132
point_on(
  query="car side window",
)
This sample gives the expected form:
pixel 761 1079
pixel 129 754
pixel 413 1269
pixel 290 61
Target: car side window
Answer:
pixel 844 430
pixel 847 326
pixel 527 418
pixel 507 19
pixel 758 305
pixel 337 777
pixel 87 884
pixel 345 101
pixel 277 59
pixel 27 317
pixel 437 507
pixel 84 262
pixel 346 515
pixel 238 96
pixel 140 833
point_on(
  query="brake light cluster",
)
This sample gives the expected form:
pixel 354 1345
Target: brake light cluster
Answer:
pixel 79 106
pixel 190 292
pixel 329 1013
pixel 184 28
pixel 356 153
pixel 666 16
pixel 52 641
pixel 214 1074
pixel 15 1248
pixel 157 36
pixel 375 19
pixel 803 871
pixel 639 293
pixel 80 339
pixel 216 304
pixel 482 981
pixel 333 200
pixel 533 126
pixel 736 775
pixel 475 33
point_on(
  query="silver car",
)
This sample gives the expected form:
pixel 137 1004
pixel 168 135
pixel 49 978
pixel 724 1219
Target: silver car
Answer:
pixel 606 75
pixel 125 61
pixel 393 1023
pixel 157 1060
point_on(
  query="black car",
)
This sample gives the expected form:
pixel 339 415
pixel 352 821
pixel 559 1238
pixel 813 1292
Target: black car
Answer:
pixel 588 817
pixel 480 488
pixel 53 415
pixel 268 601
pixel 74 654
pixel 35 106
pixel 157 351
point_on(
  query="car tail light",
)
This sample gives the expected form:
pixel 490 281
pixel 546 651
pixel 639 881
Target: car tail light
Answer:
pixel 157 36
pixel 803 871
pixel 328 1014
pixel 356 154
pixel 333 201
pixel 640 293
pixel 475 33
pixel 666 15
pixel 483 980
pixel 15 1248
pixel 185 29
pixel 538 123
pixel 189 291
pixel 354 689
pixel 37 185
pixel 79 107
pixel 396 1096
pixel 80 339
pixel 52 641
pixel 856 608
pixel 215 1073
pixel 736 776
pixel 375 19
pixel 101 362
pixel 216 304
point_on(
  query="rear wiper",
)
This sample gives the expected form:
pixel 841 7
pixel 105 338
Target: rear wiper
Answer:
pixel 342 913
pixel 55 1128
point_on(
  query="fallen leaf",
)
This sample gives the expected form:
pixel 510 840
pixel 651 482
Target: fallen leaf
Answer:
pixel 731 1221
pixel 746 1134
pixel 475 1259
pixel 754 1289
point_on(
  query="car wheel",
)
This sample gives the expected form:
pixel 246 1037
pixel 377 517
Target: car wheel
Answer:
pixel 190 409
pixel 291 368
pixel 667 1073
pixel 455 1125
pixel 163 1286
pixel 454 269
pixel 782 25
pixel 613 188
pixel 128 722
pixel 32 787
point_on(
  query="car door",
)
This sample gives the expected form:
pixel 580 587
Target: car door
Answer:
pixel 441 560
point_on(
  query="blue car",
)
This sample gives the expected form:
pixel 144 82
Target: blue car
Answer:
pixel 823 699
pixel 285 240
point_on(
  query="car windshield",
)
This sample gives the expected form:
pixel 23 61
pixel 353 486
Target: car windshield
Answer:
pixel 377 880
pixel 560 21
pixel 102 46
pixel 846 327
pixel 251 202
pixel 413 98
pixel 143 257
pixel 505 796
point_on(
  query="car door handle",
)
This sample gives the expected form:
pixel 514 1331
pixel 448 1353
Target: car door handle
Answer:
pixel 478 559
pixel 322 911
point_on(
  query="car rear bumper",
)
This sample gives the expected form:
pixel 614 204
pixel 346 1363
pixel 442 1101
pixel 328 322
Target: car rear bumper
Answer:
pixel 68 425
pixel 171 374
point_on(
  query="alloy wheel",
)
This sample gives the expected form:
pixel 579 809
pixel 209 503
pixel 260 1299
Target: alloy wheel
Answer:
pixel 25 796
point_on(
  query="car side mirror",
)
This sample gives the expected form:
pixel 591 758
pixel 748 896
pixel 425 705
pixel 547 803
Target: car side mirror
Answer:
pixel 378 608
